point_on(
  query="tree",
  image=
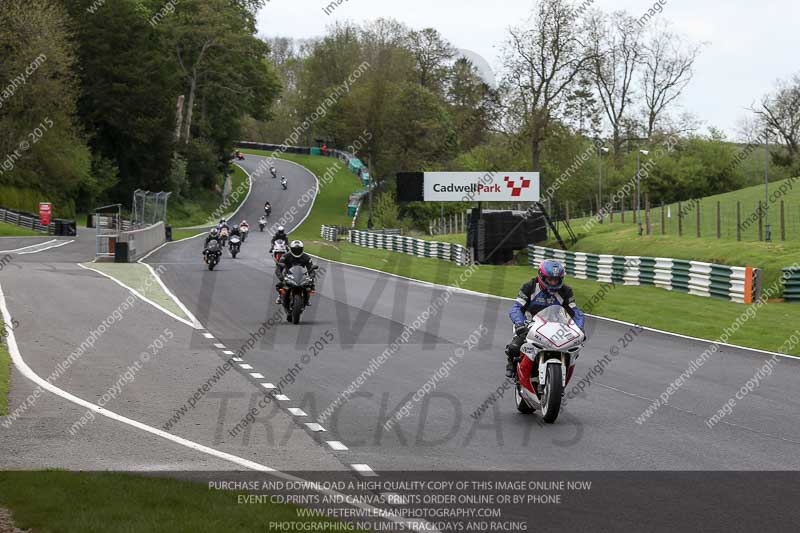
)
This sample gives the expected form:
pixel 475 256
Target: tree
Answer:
pixel 615 42
pixel 432 54
pixel 43 149
pixel 780 111
pixel 668 68
pixel 128 90
pixel 542 62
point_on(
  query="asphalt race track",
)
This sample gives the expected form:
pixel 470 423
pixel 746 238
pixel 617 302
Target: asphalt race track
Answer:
pixel 365 311
pixel 357 313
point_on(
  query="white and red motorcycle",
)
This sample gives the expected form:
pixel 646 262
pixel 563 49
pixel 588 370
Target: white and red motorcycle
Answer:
pixel 278 250
pixel 547 362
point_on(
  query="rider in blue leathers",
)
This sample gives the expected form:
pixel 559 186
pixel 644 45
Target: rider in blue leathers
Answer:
pixel 546 289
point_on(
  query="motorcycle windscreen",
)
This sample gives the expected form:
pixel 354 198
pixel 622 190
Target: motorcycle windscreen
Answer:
pixel 557 328
pixel 213 246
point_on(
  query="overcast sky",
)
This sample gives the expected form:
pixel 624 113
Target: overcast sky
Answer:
pixel 750 44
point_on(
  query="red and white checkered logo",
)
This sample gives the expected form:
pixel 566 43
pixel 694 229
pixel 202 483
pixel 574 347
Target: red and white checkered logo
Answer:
pixel 517 190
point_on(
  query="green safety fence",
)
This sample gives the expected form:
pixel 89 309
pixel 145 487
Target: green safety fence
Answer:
pixel 410 245
pixel 791 284
pixel 737 284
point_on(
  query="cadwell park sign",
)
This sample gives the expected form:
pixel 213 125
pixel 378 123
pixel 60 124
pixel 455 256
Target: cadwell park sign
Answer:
pixel 481 186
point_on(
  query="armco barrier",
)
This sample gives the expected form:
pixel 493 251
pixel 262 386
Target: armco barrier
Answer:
pixel 25 220
pixel 143 241
pixel 738 284
pixel 409 245
pixel 330 233
pixel 791 284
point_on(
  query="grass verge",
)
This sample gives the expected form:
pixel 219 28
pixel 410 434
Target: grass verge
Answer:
pixel 180 234
pixel 10 230
pixel 139 277
pixel 82 502
pixel 623 239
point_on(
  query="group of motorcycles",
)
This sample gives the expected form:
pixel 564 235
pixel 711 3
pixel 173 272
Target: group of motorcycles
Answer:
pixel 233 241
pixel 284 183
pixel 547 359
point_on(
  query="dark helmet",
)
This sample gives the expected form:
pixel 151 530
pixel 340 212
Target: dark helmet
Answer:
pixel 214 232
pixel 551 275
pixel 296 248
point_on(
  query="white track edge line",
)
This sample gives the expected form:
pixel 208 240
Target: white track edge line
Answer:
pixel 26 247
pixel 19 362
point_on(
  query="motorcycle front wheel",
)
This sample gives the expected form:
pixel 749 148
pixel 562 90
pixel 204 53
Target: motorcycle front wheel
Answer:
pixel 551 396
pixel 297 308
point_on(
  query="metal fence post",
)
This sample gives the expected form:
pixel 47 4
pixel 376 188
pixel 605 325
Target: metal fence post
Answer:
pixel 738 220
pixel 783 222
pixel 719 221
pixel 680 220
pixel 697 208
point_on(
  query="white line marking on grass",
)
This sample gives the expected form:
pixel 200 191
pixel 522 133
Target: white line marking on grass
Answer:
pixel 139 295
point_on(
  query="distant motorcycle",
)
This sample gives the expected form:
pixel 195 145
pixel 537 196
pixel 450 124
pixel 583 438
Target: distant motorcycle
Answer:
pixel 239 155
pixel 284 184
pixel 235 245
pixel 213 254
pixel 245 230
pixel 547 362
pixel 267 210
pixel 273 172
pixel 298 283
pixel 278 250
pixel 223 235
pixel 262 223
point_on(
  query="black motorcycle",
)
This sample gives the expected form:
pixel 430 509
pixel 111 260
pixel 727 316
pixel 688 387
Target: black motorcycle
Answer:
pixel 235 245
pixel 267 210
pixel 299 284
pixel 213 254
pixel 262 224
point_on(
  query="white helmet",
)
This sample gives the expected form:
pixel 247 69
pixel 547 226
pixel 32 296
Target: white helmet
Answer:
pixel 296 248
pixel 281 229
